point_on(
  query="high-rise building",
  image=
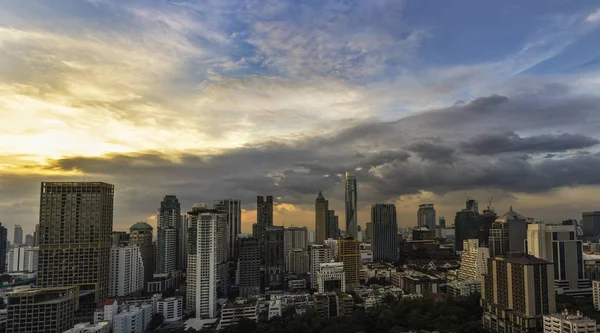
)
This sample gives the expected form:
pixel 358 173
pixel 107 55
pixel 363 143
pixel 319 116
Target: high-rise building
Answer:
pixel 274 257
pixel 517 291
pixel 591 224
pixel 126 271
pixel 331 277
pixel 466 224
pixel 41 310
pixel 141 236
pixel 169 237
pixel 22 259
pixel 559 245
pixel 566 322
pixel 18 235
pixel 333 246
pixel 36 235
pixel 29 240
pixel 295 238
pixel 351 206
pixel 75 236
pixel 474 261
pixel 319 254
pixel 385 232
pixel 349 254
pixel 297 261
pixel 498 239
pixel 3 248
pixel 517 230
pixel 120 238
pixel 333 225
pixel 369 230
pixel 222 250
pixel 248 266
pixel 233 211
pixel 202 259
pixel 321 214
pixel 442 222
pixel 426 216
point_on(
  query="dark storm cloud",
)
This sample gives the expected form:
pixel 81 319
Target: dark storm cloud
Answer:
pixel 433 151
pixel 491 144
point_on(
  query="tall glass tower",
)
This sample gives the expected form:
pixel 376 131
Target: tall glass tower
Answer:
pixel 351 207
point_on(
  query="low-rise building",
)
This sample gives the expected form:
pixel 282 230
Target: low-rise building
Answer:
pixel 334 305
pixel 106 311
pixel 596 293
pixel 101 327
pixel 233 311
pixel 331 277
pixel 275 308
pixel 296 284
pixel 419 283
pixel 463 288
pixel 171 308
pixel 133 318
pixel 163 281
pixel 568 323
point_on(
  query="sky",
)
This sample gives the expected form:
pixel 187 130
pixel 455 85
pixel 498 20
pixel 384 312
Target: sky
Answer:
pixel 424 101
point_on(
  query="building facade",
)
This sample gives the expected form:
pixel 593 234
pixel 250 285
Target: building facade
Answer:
pixel 171 308
pixel 351 202
pixel 517 291
pixel 321 214
pixel 474 261
pixel 332 225
pixel 3 248
pixel 169 236
pixel 426 216
pixel 566 322
pixel 385 232
pixel 232 209
pixel 18 235
pixel 297 261
pixel 331 277
pixel 274 257
pixel 295 238
pixel 349 254
pixel 126 271
pixel 591 224
pixel 141 236
pixel 22 259
pixel 75 236
pixel 248 266
pixel 319 254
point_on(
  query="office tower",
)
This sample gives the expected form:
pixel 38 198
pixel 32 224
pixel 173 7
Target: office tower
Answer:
pixel 566 322
pixel 29 240
pixel 319 254
pixel 297 261
pixel 126 271
pixel 486 219
pixel 331 277
pixel 498 239
pixel 349 254
pixel 321 214
pixel 222 250
pixel 474 261
pixel 202 261
pixel 248 266
pixel 36 235
pixel 369 231
pixel 120 238
pixel 168 250
pixel 18 235
pixel 559 245
pixel 295 238
pixel 141 236
pixel 274 257
pixel 385 232
pixel 22 259
pixel 466 224
pixel 591 224
pixel 517 230
pixel 41 310
pixel 233 211
pixel 75 236
pixel 311 236
pixel 517 291
pixel 442 222
pixel 3 247
pixel 426 216
pixel 351 206
pixel 332 225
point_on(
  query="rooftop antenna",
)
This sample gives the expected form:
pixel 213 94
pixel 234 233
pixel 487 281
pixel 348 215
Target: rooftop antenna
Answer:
pixel 490 203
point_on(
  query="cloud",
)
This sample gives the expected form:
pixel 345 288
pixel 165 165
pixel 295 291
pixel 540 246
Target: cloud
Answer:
pixel 491 144
pixel 593 17
pixel 433 151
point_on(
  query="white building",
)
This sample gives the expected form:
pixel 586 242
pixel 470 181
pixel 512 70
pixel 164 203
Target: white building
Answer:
pixel 102 327
pixel 106 311
pixel 129 320
pixel 126 271
pixel 474 261
pixel 275 308
pixel 331 277
pixel 23 259
pixel 463 288
pixel 596 293
pixel 171 308
pixel 202 263
pixel 318 254
pixel 568 323
pixel 559 245
pixel 234 311
pixel 333 245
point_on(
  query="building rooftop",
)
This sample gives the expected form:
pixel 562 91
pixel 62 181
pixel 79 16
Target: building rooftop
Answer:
pixel 510 215
pixel 141 226
pixel 523 258
pixel 240 303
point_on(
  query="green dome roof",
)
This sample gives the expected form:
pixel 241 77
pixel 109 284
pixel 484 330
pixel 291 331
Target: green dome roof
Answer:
pixel 141 226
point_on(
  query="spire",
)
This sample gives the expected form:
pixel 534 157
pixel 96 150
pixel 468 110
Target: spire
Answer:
pixel 320 196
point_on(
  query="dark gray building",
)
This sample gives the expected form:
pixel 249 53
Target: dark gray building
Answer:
pixel 3 247
pixel 274 257
pixel 333 225
pixel 351 206
pixel 591 224
pixel 233 210
pixel 169 248
pixel 385 232
pixel 18 236
pixel 248 266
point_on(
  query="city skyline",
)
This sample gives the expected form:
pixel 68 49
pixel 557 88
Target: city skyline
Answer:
pixel 421 109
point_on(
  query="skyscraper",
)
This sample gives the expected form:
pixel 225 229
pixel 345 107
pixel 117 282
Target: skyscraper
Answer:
pixel 466 224
pixel 385 232
pixel 426 216
pixel 517 291
pixel 29 240
pixel 591 224
pixel 169 237
pixel 75 235
pixel 295 238
pixel 264 219
pixel 333 225
pixel 202 260
pixel 36 235
pixel 274 257
pixel 18 236
pixel 517 230
pixel 351 206
pixel 126 271
pixel 141 236
pixel 3 248
pixel 321 211
pixel 442 222
pixel 248 266
pixel 233 211
pixel 319 254
pixel 349 254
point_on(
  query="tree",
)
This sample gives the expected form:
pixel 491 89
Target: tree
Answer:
pixel 156 320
